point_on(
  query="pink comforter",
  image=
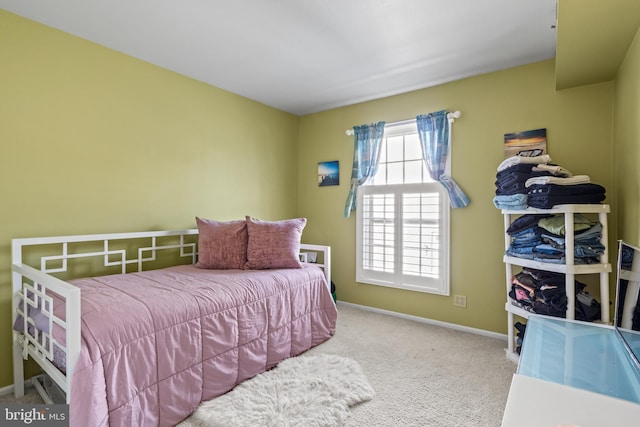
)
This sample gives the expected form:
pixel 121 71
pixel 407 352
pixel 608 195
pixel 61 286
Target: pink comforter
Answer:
pixel 155 344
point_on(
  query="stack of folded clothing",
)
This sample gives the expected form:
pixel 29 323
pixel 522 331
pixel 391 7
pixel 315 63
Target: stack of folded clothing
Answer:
pixel 543 292
pixel 542 238
pixel 525 236
pixel 533 181
pixel 512 175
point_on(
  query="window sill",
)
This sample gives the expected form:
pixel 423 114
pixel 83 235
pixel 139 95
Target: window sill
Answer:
pixel 406 287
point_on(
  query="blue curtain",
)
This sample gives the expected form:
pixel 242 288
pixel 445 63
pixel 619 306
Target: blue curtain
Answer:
pixel 366 153
pixel 433 130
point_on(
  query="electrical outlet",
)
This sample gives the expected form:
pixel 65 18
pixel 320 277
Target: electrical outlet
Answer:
pixel 460 300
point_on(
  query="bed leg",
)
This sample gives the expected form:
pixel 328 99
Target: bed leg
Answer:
pixel 18 371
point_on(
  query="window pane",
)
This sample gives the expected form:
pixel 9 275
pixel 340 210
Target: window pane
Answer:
pixel 430 206
pixel 412 150
pixel 401 161
pixel 413 171
pixel 378 232
pixel 420 235
pixel 395 149
pixel 395 173
pixel 383 152
pixel 380 177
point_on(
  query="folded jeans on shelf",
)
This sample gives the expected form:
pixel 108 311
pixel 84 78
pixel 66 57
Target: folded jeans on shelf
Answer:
pixel 525 221
pixel 566 190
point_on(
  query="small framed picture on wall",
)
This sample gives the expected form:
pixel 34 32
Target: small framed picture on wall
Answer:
pixel 328 173
pixel 529 143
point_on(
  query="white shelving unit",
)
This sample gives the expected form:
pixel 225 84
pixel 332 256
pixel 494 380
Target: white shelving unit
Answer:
pixel 570 269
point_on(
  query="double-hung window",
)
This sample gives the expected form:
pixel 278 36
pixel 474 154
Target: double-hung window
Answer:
pixel 403 219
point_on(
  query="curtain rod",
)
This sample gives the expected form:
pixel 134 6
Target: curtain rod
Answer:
pixel 451 116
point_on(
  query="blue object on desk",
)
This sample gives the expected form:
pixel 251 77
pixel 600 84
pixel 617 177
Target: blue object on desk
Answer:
pixel 582 355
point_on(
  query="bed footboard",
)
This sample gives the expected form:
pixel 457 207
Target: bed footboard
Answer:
pixel 40 330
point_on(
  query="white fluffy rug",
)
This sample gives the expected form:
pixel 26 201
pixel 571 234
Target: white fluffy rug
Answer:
pixel 301 391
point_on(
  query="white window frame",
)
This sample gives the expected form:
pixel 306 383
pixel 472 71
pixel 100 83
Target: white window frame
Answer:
pixel 396 279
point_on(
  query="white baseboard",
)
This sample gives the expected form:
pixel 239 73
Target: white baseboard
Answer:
pixel 6 390
pixel 9 389
pixel 428 321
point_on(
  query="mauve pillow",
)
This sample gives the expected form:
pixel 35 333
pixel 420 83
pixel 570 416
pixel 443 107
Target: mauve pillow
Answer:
pixel 222 245
pixel 274 244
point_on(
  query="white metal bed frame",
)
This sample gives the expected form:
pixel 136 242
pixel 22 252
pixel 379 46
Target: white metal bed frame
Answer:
pixel 30 287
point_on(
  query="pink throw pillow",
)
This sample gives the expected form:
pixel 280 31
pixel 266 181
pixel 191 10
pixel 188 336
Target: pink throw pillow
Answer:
pixel 274 244
pixel 222 245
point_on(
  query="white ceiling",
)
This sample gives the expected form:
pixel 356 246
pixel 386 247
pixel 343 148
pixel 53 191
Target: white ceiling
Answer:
pixel 305 56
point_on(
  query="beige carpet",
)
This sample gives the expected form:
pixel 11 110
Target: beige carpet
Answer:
pixel 422 375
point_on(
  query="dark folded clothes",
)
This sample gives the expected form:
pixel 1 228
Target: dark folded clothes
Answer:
pixel 510 178
pixel 523 168
pixel 514 182
pixel 547 202
pixel 515 188
pixel 525 221
pixel 566 190
pixel 560 259
pixel 546 196
pixel 545 277
pixel 556 308
pixel 520 167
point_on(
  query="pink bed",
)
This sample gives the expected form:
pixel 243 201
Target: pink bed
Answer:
pixel 157 343
pixel 146 347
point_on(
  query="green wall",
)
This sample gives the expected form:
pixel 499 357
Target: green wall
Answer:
pixel 94 141
pixel 627 144
pixel 579 133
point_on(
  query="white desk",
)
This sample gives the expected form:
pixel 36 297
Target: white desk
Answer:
pixel 538 403
pixel 573 374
